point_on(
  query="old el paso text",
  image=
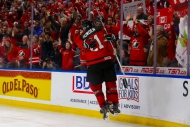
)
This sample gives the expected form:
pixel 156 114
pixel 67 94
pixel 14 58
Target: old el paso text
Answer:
pixel 17 85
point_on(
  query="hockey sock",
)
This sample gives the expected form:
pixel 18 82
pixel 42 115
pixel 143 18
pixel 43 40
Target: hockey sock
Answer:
pixel 97 89
pixel 111 92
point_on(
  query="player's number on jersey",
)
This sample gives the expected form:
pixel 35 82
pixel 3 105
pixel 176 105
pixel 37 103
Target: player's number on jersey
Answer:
pixel 99 43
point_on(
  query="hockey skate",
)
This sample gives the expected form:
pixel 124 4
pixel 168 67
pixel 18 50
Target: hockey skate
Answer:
pixel 113 109
pixel 104 111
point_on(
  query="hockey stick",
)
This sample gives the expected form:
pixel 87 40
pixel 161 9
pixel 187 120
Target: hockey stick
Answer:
pixel 125 84
pixel 77 66
pixel 77 55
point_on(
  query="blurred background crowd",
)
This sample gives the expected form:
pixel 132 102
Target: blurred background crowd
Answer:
pixel 57 21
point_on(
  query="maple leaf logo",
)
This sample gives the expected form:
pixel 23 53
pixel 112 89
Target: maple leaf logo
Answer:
pixel 184 40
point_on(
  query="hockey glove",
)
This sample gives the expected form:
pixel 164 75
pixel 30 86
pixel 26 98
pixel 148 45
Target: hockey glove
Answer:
pixel 92 44
pixel 111 38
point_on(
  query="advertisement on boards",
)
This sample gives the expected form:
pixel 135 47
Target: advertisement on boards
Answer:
pixel 129 97
pixel 155 97
pixel 159 70
pixel 152 97
pixel 79 85
pixel 31 85
pixel 82 96
pixel 78 92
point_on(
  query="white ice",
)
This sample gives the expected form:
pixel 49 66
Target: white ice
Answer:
pixel 22 117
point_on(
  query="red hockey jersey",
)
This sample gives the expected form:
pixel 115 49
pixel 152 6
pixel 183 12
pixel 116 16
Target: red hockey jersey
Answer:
pixel 137 55
pixel 101 52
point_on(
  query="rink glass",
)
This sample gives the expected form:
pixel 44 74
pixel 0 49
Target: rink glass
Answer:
pixel 179 66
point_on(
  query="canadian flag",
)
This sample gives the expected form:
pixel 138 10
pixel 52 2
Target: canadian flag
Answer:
pixel 181 49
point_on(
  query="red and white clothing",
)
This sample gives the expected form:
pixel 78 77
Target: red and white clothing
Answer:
pixel 74 29
pixel 10 56
pixel 137 55
pixel 25 53
pixel 67 58
pixel 149 8
pixel 101 52
pixel 36 54
pixel 112 29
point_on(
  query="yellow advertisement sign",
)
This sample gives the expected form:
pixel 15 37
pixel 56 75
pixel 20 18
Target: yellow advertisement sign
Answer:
pixel 20 86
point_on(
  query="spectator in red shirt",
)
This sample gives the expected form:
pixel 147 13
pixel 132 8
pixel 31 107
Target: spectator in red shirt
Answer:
pixel 67 56
pixel 9 53
pixel 36 52
pixel 23 53
pixel 137 43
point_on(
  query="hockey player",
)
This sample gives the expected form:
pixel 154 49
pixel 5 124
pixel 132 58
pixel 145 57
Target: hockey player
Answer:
pixel 99 56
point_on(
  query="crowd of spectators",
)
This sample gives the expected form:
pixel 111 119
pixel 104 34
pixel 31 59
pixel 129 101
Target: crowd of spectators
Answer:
pixel 55 23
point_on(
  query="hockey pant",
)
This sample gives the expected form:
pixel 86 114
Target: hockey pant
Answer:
pixel 111 93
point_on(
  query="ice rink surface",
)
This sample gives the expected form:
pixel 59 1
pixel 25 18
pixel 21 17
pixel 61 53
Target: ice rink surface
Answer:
pixel 22 117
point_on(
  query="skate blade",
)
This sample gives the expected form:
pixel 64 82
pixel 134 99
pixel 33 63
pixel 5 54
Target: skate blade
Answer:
pixel 115 114
pixel 107 117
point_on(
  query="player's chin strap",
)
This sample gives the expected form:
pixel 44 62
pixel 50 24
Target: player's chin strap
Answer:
pixel 125 84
